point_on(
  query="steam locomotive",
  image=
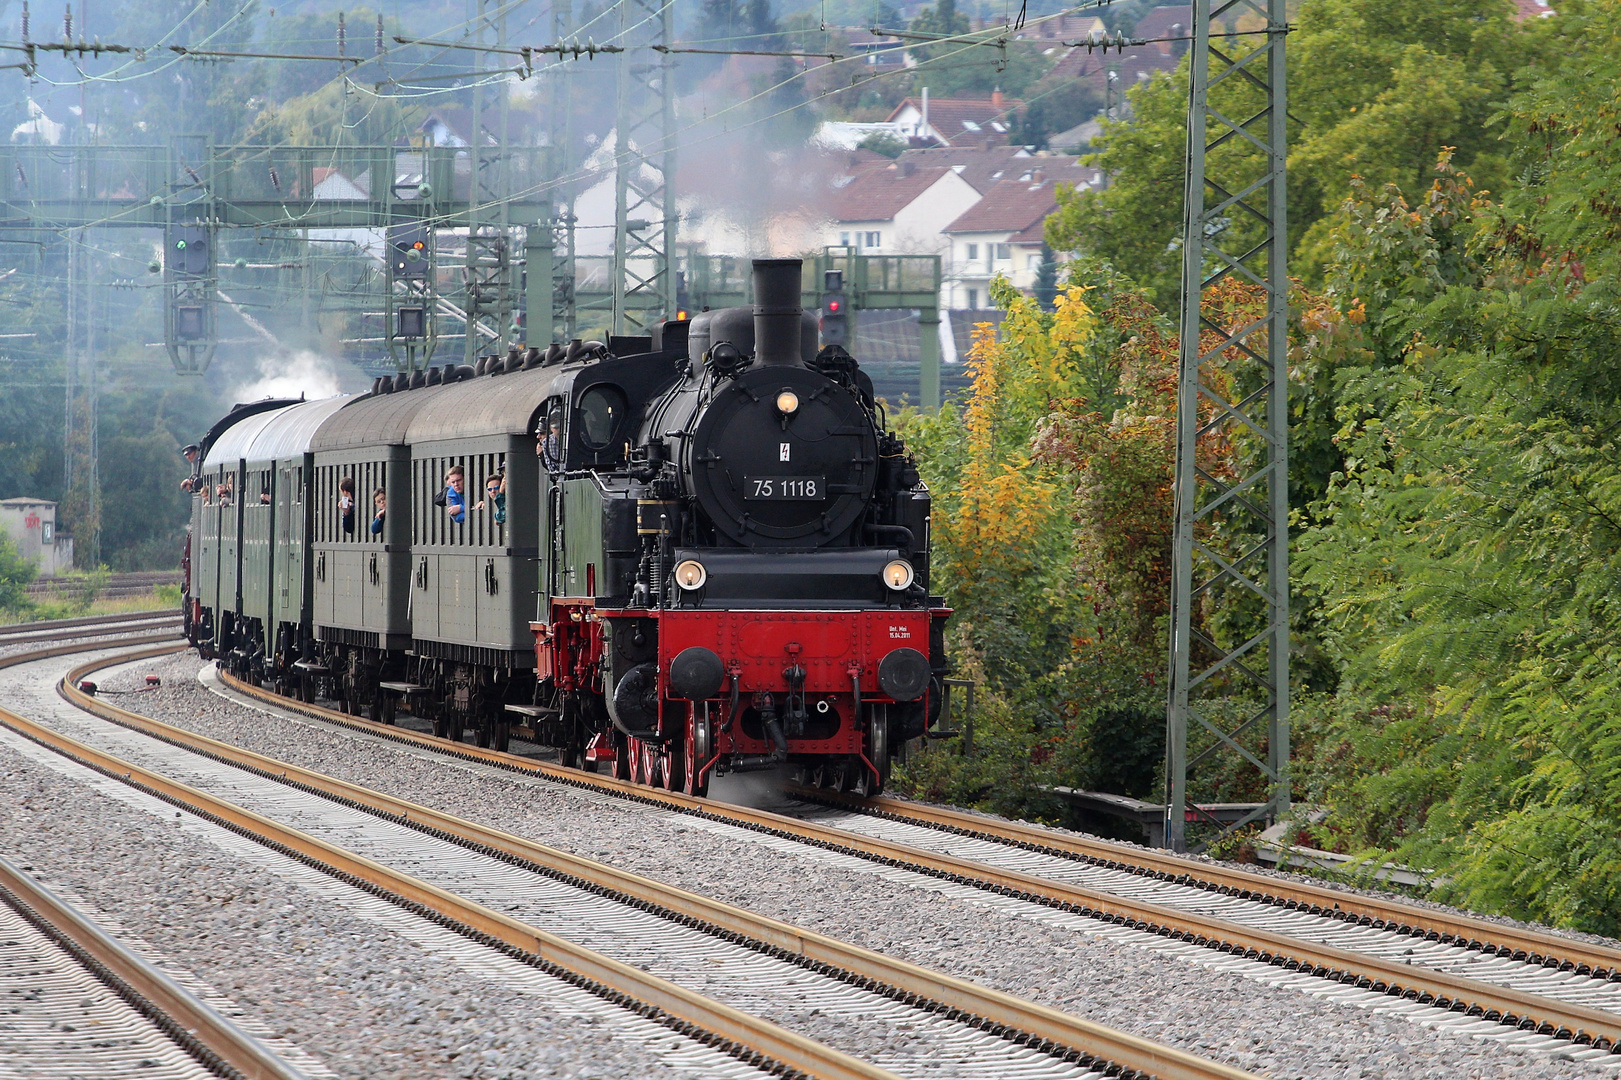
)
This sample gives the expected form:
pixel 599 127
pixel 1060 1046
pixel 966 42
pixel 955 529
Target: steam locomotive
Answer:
pixel 669 557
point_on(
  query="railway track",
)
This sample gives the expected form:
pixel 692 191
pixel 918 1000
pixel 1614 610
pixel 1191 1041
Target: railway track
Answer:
pixel 80 1004
pixel 638 939
pixel 1491 977
pixel 88 626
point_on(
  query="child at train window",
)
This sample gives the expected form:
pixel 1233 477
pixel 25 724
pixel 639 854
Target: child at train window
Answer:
pixel 346 503
pixel 455 501
pixel 379 502
pixel 495 493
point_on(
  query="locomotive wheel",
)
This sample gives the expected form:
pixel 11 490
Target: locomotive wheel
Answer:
pixel 820 775
pixel 838 775
pixel 647 757
pixel 696 756
pixel 673 767
pixel 503 736
pixel 620 768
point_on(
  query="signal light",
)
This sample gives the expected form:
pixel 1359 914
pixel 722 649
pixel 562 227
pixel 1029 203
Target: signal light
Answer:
pixel 189 255
pixel 408 255
pixel 835 319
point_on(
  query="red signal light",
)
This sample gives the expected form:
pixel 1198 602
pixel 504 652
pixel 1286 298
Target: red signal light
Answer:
pixel 833 307
pixel 418 245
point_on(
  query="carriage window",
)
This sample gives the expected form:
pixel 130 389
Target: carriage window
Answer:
pixel 602 410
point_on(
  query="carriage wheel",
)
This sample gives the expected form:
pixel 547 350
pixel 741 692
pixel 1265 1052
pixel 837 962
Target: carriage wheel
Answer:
pixel 503 736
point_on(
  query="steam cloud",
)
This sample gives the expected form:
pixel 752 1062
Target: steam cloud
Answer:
pixel 290 374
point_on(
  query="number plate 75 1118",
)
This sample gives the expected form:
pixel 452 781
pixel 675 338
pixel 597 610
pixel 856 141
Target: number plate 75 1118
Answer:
pixel 785 487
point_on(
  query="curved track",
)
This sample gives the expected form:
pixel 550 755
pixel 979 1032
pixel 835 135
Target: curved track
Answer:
pixel 1552 989
pixel 764 966
pixel 88 626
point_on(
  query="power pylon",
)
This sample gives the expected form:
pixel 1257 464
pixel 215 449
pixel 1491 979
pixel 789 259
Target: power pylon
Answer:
pixel 644 168
pixel 1229 639
pixel 490 283
pixel 560 135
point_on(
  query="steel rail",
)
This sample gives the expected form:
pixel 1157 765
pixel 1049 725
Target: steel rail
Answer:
pixel 1535 946
pixel 1451 992
pixel 1003 1014
pixel 210 1038
pixel 51 629
pixel 748 1037
pixel 1519 943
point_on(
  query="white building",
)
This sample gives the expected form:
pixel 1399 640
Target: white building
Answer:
pixel 956 121
pixel 898 209
pixel 31 524
pixel 1002 232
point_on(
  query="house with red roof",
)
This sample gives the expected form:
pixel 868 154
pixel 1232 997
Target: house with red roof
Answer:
pixel 897 209
pixel 1000 234
pixel 956 121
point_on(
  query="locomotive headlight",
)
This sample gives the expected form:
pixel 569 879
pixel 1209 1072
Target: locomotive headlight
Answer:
pixel 787 403
pixel 898 574
pixel 690 574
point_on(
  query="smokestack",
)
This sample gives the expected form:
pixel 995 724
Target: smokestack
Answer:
pixel 777 312
pixel 997 99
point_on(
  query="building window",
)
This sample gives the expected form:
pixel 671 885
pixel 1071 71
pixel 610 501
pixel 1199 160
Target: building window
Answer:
pixel 844 239
pixel 874 239
pixel 1032 262
pixel 973 299
pixel 1003 252
pixel 973 252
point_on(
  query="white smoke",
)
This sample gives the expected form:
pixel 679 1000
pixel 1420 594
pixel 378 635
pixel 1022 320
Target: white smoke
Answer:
pixel 292 374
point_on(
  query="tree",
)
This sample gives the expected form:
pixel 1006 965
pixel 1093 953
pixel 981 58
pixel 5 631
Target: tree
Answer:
pixel 16 573
pixel 1134 222
pixel 1380 88
pixel 1464 558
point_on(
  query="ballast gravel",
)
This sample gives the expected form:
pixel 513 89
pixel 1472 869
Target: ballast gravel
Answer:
pixel 1270 1030
pixel 362 1002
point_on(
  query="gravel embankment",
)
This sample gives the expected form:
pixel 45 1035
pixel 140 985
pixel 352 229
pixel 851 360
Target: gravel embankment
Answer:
pixel 1277 1032
pixel 363 1001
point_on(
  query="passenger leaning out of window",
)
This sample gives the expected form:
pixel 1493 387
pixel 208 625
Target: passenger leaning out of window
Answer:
pixel 455 501
pixel 346 503
pixel 495 493
pixel 379 503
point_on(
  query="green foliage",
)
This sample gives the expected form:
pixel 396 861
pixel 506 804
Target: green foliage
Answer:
pixel 1465 557
pixel 881 142
pixel 16 573
pixel 1133 222
pixel 1053 109
pixel 1380 89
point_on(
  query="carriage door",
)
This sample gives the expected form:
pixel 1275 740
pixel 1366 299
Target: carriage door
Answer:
pixel 289 575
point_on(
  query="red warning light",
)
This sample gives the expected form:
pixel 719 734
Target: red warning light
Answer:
pixel 833 307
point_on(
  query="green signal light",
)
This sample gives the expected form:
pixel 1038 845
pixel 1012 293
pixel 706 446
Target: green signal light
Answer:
pixel 180 245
